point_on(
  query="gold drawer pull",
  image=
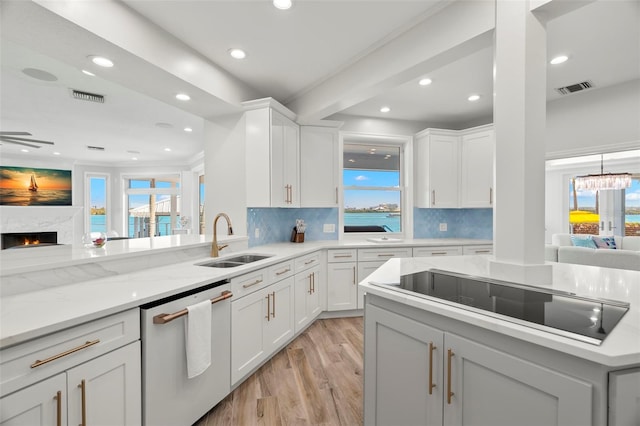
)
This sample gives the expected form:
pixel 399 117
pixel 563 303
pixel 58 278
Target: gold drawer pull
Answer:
pixel 338 256
pixel 277 273
pixel 83 398
pixel 482 251
pixel 439 253
pixel 251 284
pixel 38 362
pixel 165 318
pixel 386 255
pixel 432 385
pixel 58 399
pixel 309 261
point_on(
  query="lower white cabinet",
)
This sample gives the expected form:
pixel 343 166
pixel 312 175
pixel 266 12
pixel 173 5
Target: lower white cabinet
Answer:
pixel 624 397
pixel 103 391
pixel 262 322
pixel 342 286
pixel 419 375
pixel 307 297
pixel 437 251
pixel 478 249
pixel 364 270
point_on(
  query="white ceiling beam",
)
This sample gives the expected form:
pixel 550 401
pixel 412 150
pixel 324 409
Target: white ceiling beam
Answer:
pixel 128 30
pixel 450 34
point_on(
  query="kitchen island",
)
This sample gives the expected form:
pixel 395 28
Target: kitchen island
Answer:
pixel 429 361
pixel 72 315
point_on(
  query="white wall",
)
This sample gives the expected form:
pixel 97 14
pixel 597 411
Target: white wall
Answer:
pixel 225 171
pixel 596 120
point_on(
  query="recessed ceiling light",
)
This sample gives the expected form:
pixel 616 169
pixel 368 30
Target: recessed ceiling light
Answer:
pixel 473 98
pixel 425 82
pixel 56 153
pixel 168 149
pixel 237 53
pixel 188 129
pixel 88 73
pixel 385 109
pixel 282 4
pixel 24 150
pixel 101 61
pixel 351 160
pixel 183 97
pixel 134 158
pixel 559 59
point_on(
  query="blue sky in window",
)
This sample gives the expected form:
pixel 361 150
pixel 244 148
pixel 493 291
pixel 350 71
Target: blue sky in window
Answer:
pixel 373 178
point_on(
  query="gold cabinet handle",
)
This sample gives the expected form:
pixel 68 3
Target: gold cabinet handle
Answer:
pixel 273 310
pixel 482 251
pixel 83 396
pixel 284 271
pixel 253 283
pixel 432 385
pixel 338 256
pixel 313 282
pixel 336 195
pixel 449 392
pixel 38 362
pixel 386 255
pixel 58 399
pixel 490 195
pixel 439 253
pixel 268 317
pixel 433 197
pixel 309 291
pixel 165 318
pixel 309 261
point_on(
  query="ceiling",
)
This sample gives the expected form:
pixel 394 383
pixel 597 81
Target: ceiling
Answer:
pixel 289 53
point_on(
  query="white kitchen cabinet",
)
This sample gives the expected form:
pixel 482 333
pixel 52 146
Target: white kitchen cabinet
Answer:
pixel 261 323
pixel 319 174
pixel 418 374
pixel 624 397
pixel 478 249
pixel 476 167
pixel 103 391
pixel 42 404
pixel 364 270
pixel 104 354
pixel 342 286
pixel 436 169
pixel 106 390
pixel 437 251
pixel 272 155
pixel 307 297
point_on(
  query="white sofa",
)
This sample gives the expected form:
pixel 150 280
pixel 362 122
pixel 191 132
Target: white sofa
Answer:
pixel 626 255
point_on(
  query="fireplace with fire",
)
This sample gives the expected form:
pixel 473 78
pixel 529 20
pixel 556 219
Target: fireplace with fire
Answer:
pixel 28 239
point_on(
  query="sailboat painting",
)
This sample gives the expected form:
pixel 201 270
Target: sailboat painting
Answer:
pixel 25 186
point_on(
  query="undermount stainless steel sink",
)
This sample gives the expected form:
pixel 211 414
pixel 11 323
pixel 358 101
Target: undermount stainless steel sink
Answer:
pixel 232 262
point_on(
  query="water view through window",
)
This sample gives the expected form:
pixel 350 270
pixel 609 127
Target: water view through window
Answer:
pixel 372 188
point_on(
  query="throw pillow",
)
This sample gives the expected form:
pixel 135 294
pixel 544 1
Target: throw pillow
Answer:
pixel 604 242
pixel 583 241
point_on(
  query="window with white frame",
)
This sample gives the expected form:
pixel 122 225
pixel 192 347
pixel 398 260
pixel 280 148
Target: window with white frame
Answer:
pixel 373 189
pixel 98 214
pixel 153 205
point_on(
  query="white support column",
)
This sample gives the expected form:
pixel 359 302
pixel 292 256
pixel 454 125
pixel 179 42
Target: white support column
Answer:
pixel 519 117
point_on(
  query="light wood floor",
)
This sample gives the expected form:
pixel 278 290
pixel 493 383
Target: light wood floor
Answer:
pixel 315 380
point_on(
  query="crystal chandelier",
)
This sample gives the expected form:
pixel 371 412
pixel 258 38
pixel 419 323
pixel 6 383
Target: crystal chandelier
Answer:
pixel 603 180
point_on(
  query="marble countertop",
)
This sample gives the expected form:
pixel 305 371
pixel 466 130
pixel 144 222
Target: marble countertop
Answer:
pixel 47 309
pixel 621 348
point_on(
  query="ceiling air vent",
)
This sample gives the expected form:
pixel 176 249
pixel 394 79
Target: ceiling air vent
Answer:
pixel 95 148
pixel 574 87
pixel 86 96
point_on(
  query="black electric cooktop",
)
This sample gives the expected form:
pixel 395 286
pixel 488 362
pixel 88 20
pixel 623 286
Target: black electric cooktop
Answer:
pixel 566 314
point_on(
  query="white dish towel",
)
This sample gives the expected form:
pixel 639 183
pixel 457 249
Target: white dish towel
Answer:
pixel 198 338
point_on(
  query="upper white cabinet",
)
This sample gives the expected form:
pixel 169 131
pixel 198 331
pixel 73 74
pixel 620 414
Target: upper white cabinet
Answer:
pixel 436 168
pixel 476 167
pixel 272 155
pixel 454 168
pixel 319 154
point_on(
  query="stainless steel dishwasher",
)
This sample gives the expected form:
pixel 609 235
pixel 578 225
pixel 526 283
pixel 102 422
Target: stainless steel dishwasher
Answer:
pixel 169 397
